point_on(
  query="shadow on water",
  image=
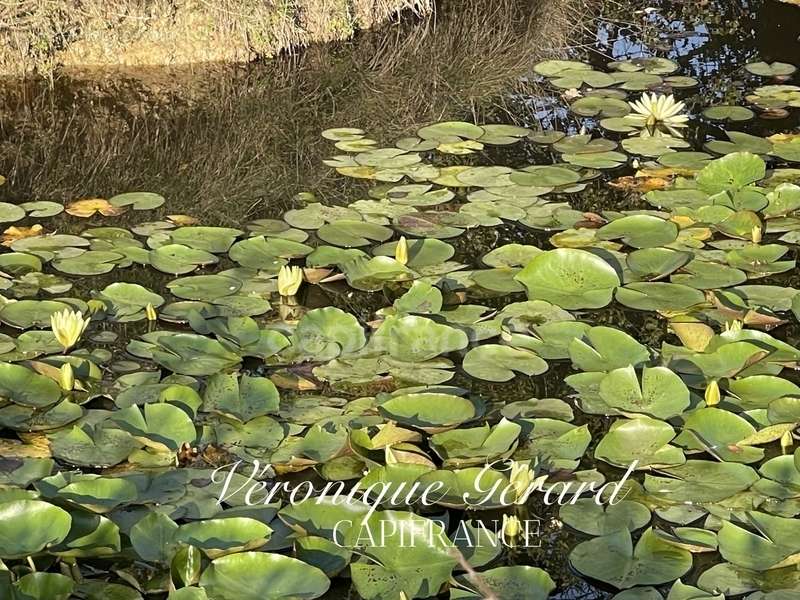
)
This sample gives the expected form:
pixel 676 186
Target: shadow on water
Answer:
pixel 227 144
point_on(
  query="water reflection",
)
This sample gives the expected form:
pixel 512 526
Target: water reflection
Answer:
pixel 230 143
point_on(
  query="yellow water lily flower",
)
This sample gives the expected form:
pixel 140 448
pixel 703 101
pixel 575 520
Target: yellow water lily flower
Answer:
pixel 150 311
pixel 67 377
pixel 511 528
pixel 657 109
pixel 521 477
pixel 787 441
pixel 712 395
pixel 756 234
pixel 289 280
pixel 96 306
pixel 68 326
pixel 732 329
pixel 401 251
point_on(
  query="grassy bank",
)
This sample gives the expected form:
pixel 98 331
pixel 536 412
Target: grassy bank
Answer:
pixel 237 143
pixel 39 35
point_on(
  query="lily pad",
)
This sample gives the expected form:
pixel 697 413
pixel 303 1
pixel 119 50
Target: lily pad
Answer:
pixel 569 278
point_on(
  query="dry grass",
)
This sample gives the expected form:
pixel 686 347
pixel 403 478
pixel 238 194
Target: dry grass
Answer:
pixel 40 35
pixel 241 142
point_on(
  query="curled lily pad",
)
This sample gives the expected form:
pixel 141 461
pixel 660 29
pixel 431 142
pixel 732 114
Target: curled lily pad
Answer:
pixel 659 296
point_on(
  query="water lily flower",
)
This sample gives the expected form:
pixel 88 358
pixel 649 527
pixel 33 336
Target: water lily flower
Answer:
pixel 67 377
pixel 657 109
pixel 511 528
pixel 756 234
pixel 68 326
pixel 787 441
pixel 150 311
pixel 712 393
pixel 521 478
pixel 96 306
pixel 732 328
pixel 289 280
pixel 401 251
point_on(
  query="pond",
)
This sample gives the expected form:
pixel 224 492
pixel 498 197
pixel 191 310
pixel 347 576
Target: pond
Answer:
pixel 445 254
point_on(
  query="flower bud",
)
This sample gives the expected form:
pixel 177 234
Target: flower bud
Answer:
pixel 150 311
pixel 521 477
pixel 712 393
pixel 289 280
pixel 511 528
pixel 67 377
pixel 401 251
pixel 787 441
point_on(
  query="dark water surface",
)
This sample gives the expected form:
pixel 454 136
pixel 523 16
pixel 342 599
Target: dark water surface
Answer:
pixel 230 144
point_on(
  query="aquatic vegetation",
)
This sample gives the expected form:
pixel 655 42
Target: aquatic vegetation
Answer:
pixel 654 109
pixel 457 323
pixel 68 327
pixel 289 280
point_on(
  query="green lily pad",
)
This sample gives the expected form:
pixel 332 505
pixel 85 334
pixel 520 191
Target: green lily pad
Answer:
pixel 429 410
pixel 728 113
pixel 569 278
pixel 263 576
pixel 775 69
pixel 518 582
pixel 661 394
pixel 138 200
pixel 588 516
pixel 642 440
pixel 494 362
pixel 25 387
pixel 614 559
